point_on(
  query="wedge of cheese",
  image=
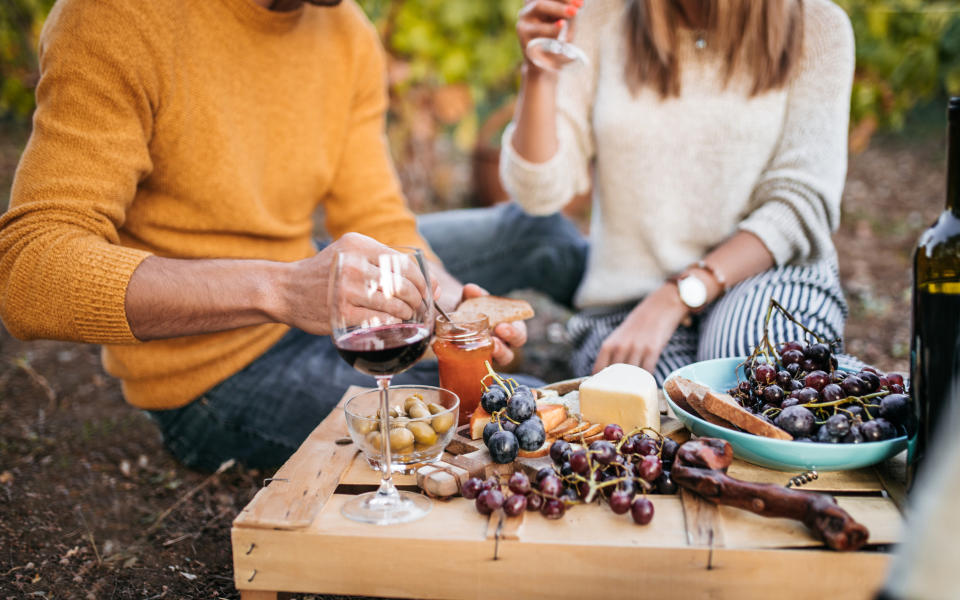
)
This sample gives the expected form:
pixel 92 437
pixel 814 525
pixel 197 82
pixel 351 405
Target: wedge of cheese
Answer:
pixel 621 394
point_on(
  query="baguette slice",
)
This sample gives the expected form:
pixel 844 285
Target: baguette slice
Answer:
pixel 497 308
pixel 726 407
pixel 694 394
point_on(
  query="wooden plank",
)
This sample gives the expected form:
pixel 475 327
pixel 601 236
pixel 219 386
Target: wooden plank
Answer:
pixel 304 483
pixel 880 515
pixel 464 568
pixel 860 480
pixel 744 529
pixel 598 526
pixel 893 474
pixel 500 526
pixel 454 519
pixel 701 521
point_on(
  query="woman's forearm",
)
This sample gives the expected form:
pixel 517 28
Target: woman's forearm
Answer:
pixel 535 136
pixel 740 257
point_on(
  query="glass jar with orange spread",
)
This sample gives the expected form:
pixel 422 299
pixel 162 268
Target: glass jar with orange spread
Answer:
pixel 462 347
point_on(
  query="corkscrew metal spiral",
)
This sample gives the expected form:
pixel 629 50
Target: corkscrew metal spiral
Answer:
pixel 803 479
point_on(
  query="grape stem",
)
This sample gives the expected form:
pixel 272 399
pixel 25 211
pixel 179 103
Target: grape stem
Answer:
pixel 861 399
pixel 766 347
pixel 508 384
pixel 502 414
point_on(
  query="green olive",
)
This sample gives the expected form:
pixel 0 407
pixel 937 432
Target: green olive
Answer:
pixel 435 408
pixel 423 433
pixel 441 423
pixel 364 426
pixel 416 398
pixel 418 411
pixel 401 439
pixel 399 422
pixel 395 412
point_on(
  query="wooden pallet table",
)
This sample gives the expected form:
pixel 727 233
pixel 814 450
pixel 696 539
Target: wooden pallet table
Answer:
pixel 292 538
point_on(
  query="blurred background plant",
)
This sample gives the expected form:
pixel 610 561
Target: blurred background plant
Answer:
pixel 908 52
pixel 20 23
pixel 454 70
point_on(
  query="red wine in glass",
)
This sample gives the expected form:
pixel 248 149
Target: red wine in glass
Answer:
pixel 381 317
pixel 384 350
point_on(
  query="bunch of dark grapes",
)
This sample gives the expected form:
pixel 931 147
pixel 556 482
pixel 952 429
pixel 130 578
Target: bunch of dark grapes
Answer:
pixel 800 389
pixel 514 424
pixel 619 469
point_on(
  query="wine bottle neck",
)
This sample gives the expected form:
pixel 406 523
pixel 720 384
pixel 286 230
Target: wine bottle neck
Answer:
pixel 953 161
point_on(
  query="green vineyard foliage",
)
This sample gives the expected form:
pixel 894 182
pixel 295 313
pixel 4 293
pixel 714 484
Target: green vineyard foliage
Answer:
pixel 908 51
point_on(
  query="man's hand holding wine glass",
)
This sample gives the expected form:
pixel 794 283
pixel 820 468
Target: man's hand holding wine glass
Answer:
pixel 307 304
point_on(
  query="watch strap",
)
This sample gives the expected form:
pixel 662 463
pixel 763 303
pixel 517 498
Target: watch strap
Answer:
pixel 716 274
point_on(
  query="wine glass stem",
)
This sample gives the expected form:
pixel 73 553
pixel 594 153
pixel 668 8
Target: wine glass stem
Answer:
pixel 562 36
pixel 386 480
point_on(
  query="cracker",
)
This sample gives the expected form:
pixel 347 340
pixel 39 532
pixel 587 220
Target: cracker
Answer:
pixel 564 427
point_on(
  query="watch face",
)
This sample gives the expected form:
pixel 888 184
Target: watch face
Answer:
pixel 693 292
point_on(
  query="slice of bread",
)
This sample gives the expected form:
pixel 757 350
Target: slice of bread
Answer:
pixel 478 420
pixel 726 407
pixel 497 308
pixel 673 387
pixel 693 393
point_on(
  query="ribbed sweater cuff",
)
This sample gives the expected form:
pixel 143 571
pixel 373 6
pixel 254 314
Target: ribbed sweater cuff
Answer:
pixel 779 228
pixel 100 293
pixel 532 185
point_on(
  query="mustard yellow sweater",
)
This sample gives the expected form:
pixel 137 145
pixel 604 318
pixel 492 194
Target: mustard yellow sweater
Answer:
pixel 205 129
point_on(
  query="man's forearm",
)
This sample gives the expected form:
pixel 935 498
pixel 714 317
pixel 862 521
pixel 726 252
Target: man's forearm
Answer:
pixel 169 297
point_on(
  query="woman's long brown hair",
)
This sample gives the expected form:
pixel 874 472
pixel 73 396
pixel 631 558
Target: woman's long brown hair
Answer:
pixel 761 39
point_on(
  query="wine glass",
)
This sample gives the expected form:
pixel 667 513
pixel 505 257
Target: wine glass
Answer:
pixel 380 311
pixel 553 54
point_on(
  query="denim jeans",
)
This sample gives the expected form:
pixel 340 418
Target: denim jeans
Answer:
pixel 261 414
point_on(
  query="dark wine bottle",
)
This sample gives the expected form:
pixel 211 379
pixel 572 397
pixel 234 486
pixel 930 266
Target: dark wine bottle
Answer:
pixel 935 344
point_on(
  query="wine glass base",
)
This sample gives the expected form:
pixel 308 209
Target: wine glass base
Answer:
pixel 554 55
pixel 382 509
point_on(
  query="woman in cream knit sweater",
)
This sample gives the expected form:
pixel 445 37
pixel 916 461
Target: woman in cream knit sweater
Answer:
pixel 713 136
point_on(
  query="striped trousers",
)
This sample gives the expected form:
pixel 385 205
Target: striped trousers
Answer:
pixel 732 325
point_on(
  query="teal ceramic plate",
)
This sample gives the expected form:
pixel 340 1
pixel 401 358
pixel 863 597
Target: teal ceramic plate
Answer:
pixel 721 374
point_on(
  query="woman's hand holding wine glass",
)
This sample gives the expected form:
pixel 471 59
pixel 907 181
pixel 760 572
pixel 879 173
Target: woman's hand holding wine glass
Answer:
pixel 543 27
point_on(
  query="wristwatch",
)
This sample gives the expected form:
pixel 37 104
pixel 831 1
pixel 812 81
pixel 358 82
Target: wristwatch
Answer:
pixel 692 290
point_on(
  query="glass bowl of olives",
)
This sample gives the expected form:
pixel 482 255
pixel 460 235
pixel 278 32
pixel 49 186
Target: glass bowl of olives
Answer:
pixel 422 422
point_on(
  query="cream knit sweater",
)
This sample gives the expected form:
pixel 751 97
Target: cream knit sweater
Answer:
pixel 673 178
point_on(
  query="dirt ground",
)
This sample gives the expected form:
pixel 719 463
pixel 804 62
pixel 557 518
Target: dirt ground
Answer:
pixel 91 506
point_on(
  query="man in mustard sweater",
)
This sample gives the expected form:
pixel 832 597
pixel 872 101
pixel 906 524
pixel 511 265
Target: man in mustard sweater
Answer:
pixel 163 208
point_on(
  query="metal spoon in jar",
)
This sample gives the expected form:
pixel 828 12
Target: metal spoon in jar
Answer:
pixel 446 316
